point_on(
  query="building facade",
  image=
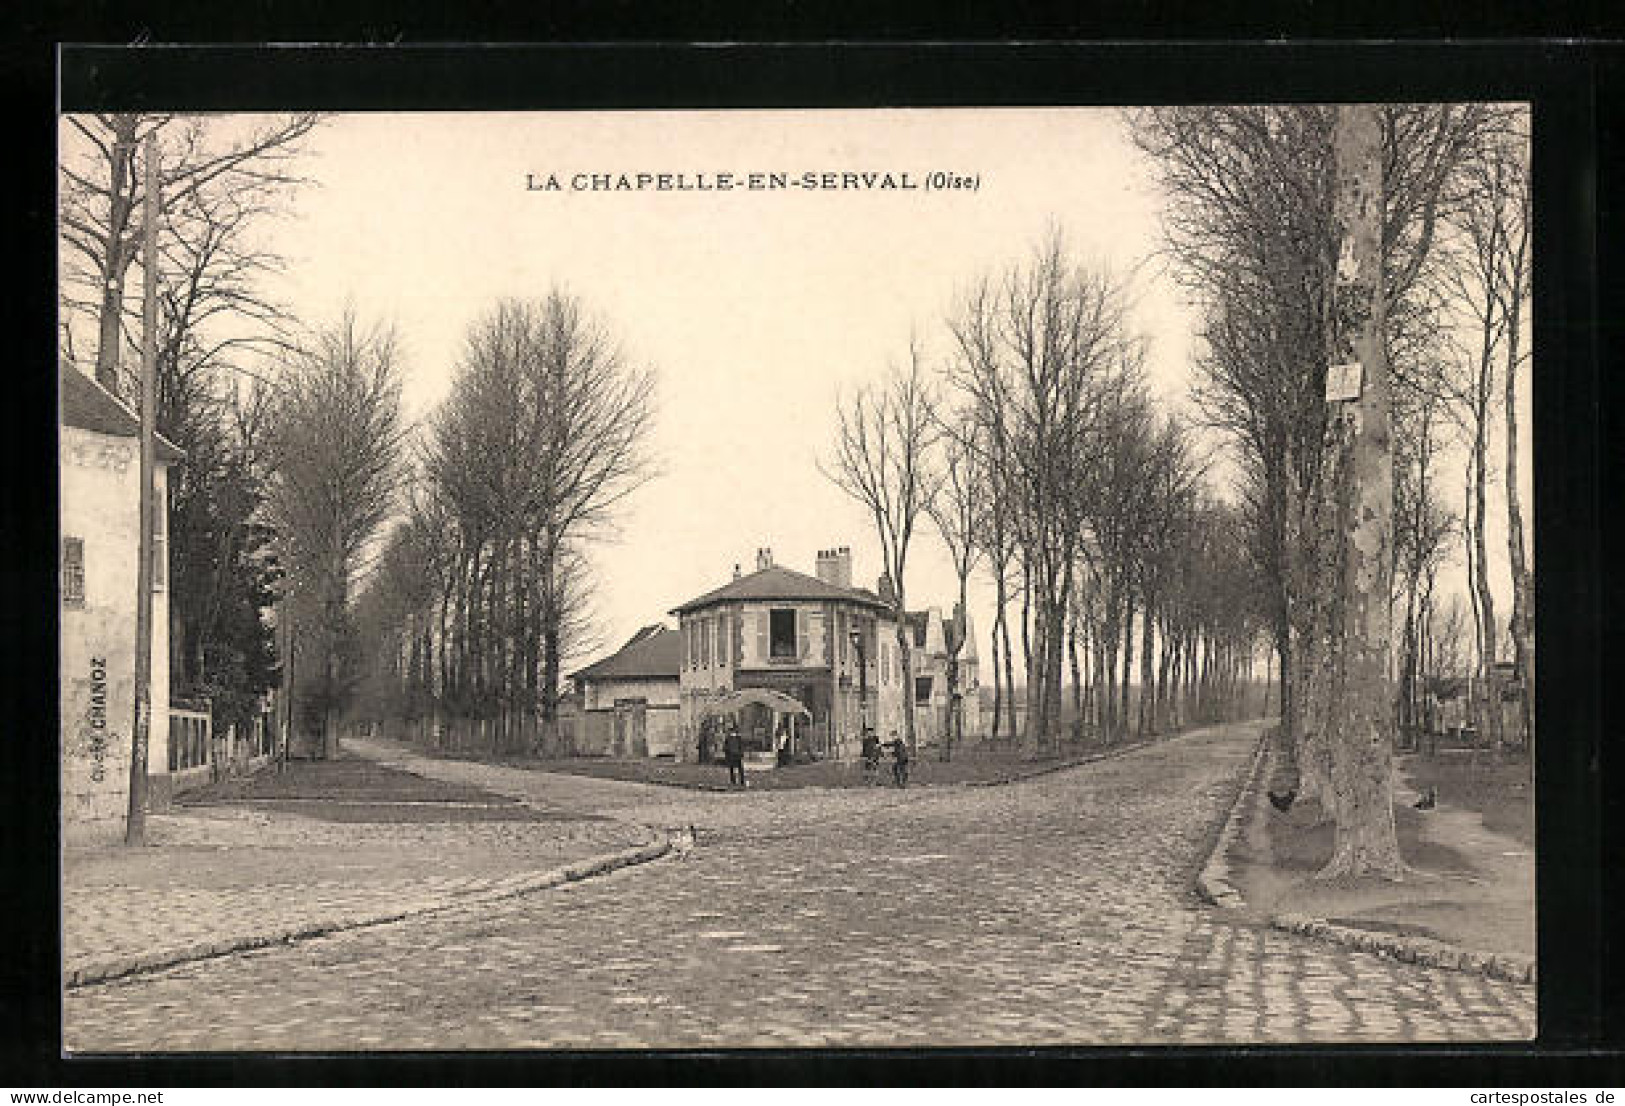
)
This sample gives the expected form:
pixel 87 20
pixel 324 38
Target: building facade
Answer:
pixel 100 530
pixel 630 701
pixel 818 639
pixel 932 638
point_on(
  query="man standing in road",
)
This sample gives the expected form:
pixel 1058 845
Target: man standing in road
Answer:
pixel 899 767
pixel 733 753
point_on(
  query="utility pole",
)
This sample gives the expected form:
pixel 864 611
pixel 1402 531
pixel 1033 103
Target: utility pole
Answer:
pixel 135 826
pixel 1360 718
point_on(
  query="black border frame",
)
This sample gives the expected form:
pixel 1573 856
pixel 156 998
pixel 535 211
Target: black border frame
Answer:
pixel 1576 163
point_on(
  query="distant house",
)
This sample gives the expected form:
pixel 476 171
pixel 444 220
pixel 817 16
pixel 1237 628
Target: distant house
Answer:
pixel 932 637
pixel 630 699
pixel 99 469
pixel 828 645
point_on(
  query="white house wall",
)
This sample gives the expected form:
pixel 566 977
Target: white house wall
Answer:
pixel 601 694
pixel 100 504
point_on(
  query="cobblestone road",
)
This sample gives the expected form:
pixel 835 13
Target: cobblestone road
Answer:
pixel 232 872
pixel 1056 911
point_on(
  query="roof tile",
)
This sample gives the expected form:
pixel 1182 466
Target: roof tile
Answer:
pixel 777 582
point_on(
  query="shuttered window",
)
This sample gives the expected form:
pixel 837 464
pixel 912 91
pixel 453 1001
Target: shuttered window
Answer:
pixel 73 572
pixel 782 623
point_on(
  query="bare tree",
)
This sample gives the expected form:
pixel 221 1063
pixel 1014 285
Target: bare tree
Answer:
pixel 334 446
pixel 544 434
pixel 1489 285
pixel 1422 528
pixel 1042 355
pixel 1359 716
pixel 213 311
pixel 881 459
pixel 959 510
pixel 1251 230
pixel 206 171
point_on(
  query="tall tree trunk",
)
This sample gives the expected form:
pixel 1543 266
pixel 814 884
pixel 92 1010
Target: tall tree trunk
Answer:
pixel 1077 675
pixel 1111 636
pixel 1053 669
pixel 1009 677
pixel 1490 693
pixel 552 620
pixel 998 682
pixel 1148 696
pixel 1031 690
pixel 1366 842
pixel 118 250
pixel 1523 584
pixel 1128 664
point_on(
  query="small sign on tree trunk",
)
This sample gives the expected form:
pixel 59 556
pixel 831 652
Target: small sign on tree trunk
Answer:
pixel 1343 382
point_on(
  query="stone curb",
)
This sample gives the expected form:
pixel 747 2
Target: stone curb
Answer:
pixel 1214 886
pixel 1412 950
pixel 1213 881
pixel 680 842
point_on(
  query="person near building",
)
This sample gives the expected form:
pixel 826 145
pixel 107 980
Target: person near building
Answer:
pixel 733 753
pixel 899 764
pixel 871 755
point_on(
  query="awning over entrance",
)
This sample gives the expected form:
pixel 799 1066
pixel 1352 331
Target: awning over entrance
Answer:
pixel 775 701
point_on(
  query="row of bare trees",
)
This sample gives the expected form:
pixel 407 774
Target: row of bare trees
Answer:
pixel 483 590
pixel 335 445
pixel 1040 457
pixel 1264 224
pixel 221 183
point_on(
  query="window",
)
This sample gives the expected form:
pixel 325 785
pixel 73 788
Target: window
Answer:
pixel 723 626
pixel 922 690
pixel 73 572
pixel 782 631
pixel 160 548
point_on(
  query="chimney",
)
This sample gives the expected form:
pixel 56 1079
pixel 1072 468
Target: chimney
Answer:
pixel 835 566
pixel 884 589
pixel 826 570
pixel 736 570
pixel 764 559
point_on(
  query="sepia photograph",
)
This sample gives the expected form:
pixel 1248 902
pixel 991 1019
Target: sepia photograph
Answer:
pixel 820 578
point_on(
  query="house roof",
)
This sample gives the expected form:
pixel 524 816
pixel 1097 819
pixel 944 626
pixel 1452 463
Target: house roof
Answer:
pixel 86 405
pixel 776 582
pixel 654 652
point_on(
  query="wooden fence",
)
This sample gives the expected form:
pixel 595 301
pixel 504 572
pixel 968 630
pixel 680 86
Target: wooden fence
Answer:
pixel 190 732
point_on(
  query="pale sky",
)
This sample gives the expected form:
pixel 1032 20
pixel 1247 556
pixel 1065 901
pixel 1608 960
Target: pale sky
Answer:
pixel 755 308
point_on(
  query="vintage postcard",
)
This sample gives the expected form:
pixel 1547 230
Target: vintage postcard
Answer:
pixel 823 578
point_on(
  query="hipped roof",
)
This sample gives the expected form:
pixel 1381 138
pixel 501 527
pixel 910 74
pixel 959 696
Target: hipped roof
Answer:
pixel 778 583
